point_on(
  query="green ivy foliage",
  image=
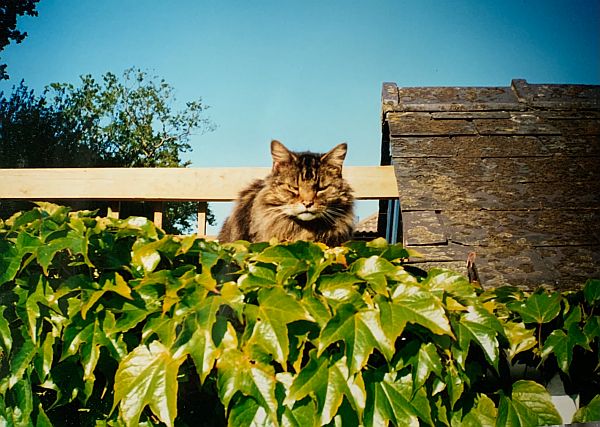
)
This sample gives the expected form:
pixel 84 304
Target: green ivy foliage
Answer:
pixel 111 322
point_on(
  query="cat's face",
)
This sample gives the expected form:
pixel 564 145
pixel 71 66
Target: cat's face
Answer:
pixel 308 186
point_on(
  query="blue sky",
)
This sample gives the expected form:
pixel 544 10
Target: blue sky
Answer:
pixel 306 72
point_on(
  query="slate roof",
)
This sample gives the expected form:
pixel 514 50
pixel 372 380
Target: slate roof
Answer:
pixel 367 227
pixel 510 173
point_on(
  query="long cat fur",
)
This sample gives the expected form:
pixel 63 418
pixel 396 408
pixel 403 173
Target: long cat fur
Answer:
pixel 303 198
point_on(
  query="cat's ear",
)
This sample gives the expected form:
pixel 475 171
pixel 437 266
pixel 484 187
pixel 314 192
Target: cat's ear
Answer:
pixel 336 156
pixel 280 154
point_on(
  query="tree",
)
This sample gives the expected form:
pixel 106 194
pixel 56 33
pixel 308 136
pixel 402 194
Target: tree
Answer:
pixel 120 122
pixel 132 120
pixel 35 134
pixel 9 11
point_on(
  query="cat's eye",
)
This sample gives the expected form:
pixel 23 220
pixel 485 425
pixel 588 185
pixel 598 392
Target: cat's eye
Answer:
pixel 291 189
pixel 322 190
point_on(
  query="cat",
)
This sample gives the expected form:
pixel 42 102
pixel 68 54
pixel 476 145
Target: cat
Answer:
pixel 303 198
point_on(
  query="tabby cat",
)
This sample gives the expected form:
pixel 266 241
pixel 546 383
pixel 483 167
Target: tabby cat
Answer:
pixel 303 198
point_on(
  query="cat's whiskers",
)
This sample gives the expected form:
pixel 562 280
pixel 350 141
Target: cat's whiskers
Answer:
pixel 330 215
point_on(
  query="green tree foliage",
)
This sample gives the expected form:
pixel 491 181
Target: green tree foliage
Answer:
pixel 35 133
pixel 10 10
pixel 112 322
pixel 129 121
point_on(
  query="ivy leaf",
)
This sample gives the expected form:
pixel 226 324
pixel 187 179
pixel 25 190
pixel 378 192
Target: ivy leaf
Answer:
pixel 200 345
pixel 42 419
pixel 233 297
pixel 373 270
pixel 136 226
pixel 21 220
pixel 112 283
pixel 360 331
pixel 529 404
pixel 90 354
pixel 392 400
pixel 27 243
pixel 21 360
pixel 482 414
pixel 237 372
pixel 591 328
pixel 30 311
pixel 396 252
pixel 73 242
pixel 257 277
pixel 317 307
pixel 275 310
pixel 5 334
pixel 130 315
pixel 113 339
pixel 163 328
pixel 454 384
pixel 303 414
pixel 538 308
pixel 561 344
pixel 427 361
pixel 75 334
pixel 206 277
pixel 340 288
pixel 588 413
pixel 452 283
pixel 148 376
pixel 85 338
pixel 57 213
pixel 21 396
pixel 43 359
pixel 145 256
pixel 480 325
pixel 413 304
pixel 423 360
pixel 309 380
pixel 573 318
pixel 291 259
pixel 519 338
pixel 185 243
pixel 577 337
pixel 10 261
pixel 248 413
pixel 514 414
pixel 329 383
pixel 362 249
pixel 591 291
pixel 291 253
pixel 172 288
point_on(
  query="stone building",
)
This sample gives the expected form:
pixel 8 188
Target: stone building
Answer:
pixel 511 174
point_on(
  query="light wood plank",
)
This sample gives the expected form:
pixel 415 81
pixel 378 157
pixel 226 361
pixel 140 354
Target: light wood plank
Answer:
pixel 372 182
pixel 114 209
pixel 167 184
pixel 158 209
pixel 202 207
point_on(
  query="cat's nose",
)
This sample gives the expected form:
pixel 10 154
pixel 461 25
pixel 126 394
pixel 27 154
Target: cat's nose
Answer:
pixel 307 196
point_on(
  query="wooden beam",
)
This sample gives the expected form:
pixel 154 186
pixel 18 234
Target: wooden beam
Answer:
pixel 157 209
pixel 167 184
pixel 372 182
pixel 202 208
pixel 113 210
